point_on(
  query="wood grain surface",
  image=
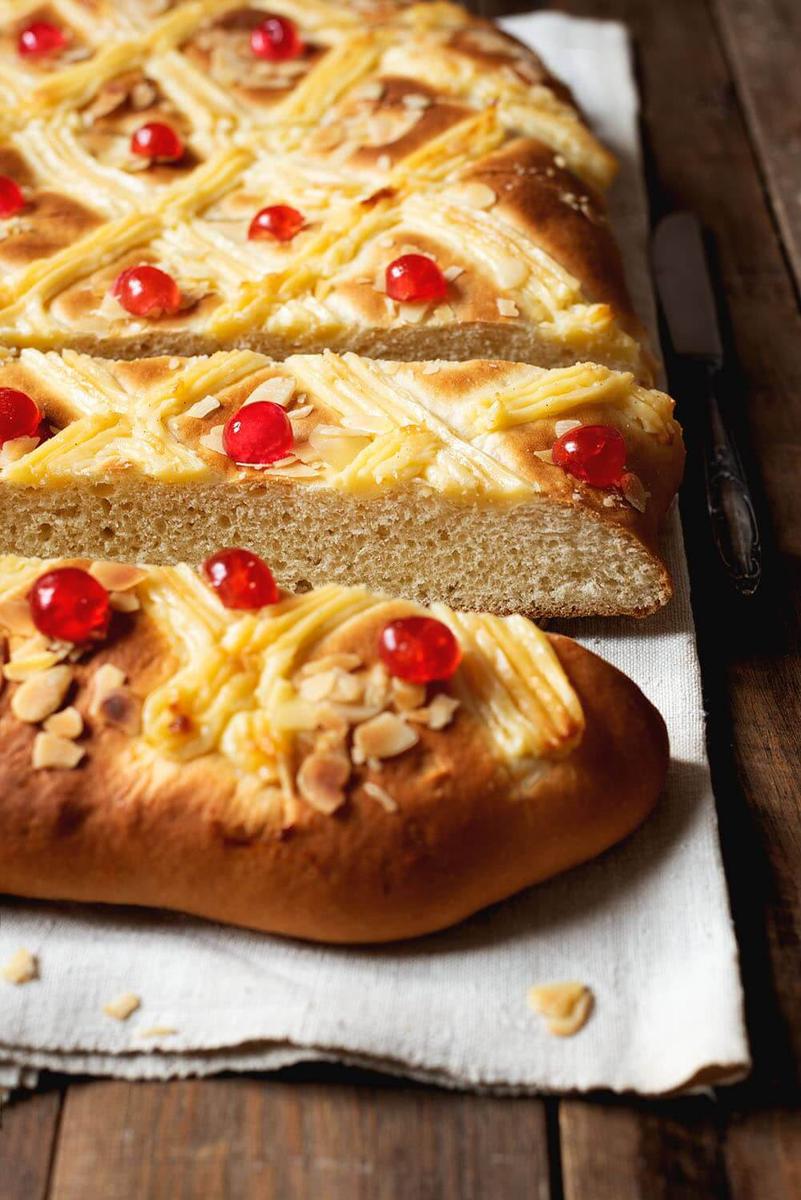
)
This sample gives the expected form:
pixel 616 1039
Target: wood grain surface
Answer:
pixel 721 83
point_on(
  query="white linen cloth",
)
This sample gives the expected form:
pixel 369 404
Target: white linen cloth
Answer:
pixel 647 926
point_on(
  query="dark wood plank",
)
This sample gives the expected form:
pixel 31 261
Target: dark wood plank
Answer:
pixel 762 1155
pixel 270 1140
pixel 28 1131
pixel 762 39
pixel 701 157
pixel 631 1151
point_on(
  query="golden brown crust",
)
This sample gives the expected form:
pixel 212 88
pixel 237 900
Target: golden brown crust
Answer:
pixel 537 192
pixel 156 833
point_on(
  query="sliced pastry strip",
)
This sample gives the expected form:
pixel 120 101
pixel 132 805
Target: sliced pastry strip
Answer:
pixel 400 180
pixel 487 485
pixel 337 765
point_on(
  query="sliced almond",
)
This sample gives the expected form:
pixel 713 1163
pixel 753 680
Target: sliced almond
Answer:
pixel 317 687
pixel 322 779
pixel 438 714
pixel 565 1006
pixel 279 389
pixel 32 655
pixel 213 440
pixel 412 314
pixel 347 662
pixel 634 491
pixel 202 408
pixel 65 724
pixel 41 694
pixel 451 273
pixel 407 695
pixel 106 679
pixel 22 967
pixel 16 448
pixel 49 750
pixel 15 616
pixel 387 802
pixel 123 1006
pixel 384 736
pixel 377 685
pixel 125 602
pixel 507 307
pixel 117 577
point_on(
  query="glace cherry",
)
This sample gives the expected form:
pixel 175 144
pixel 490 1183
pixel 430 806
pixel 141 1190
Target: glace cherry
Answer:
pixel 147 291
pixel 241 579
pixel 258 434
pixel 415 279
pixel 278 222
pixel 69 604
pixel 419 649
pixel 19 415
pixel 12 200
pixel 157 141
pixel 276 39
pixel 41 38
pixel 595 454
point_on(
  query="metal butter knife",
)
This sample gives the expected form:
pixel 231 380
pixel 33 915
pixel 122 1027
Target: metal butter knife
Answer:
pixel 685 289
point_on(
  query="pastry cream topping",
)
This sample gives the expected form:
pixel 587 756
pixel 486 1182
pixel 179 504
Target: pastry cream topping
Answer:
pixel 240 684
pixel 360 426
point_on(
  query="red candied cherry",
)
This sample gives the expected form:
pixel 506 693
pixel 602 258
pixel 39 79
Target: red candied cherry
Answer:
pixel 278 221
pixel 419 649
pixel 595 454
pixel 19 415
pixel 147 291
pixel 157 141
pixel 70 605
pixel 241 579
pixel 415 279
pixel 12 200
pixel 41 38
pixel 258 434
pixel 276 39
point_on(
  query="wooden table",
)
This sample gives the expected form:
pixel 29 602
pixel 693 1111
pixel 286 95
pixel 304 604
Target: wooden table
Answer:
pixel 722 115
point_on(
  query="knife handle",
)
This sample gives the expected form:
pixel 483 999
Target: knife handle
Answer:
pixel 731 509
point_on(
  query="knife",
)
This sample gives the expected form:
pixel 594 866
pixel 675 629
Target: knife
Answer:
pixel 682 276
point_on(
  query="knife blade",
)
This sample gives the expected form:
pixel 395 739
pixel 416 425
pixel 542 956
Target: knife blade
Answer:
pixel 684 283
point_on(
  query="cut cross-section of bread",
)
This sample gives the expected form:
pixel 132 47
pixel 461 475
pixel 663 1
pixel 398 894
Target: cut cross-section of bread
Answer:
pixel 271 768
pixel 432 480
pixel 396 129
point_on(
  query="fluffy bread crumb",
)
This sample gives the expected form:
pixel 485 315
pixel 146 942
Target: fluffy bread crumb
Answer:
pixel 548 560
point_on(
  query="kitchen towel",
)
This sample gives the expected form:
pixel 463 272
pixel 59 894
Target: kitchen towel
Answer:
pixel 647 926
